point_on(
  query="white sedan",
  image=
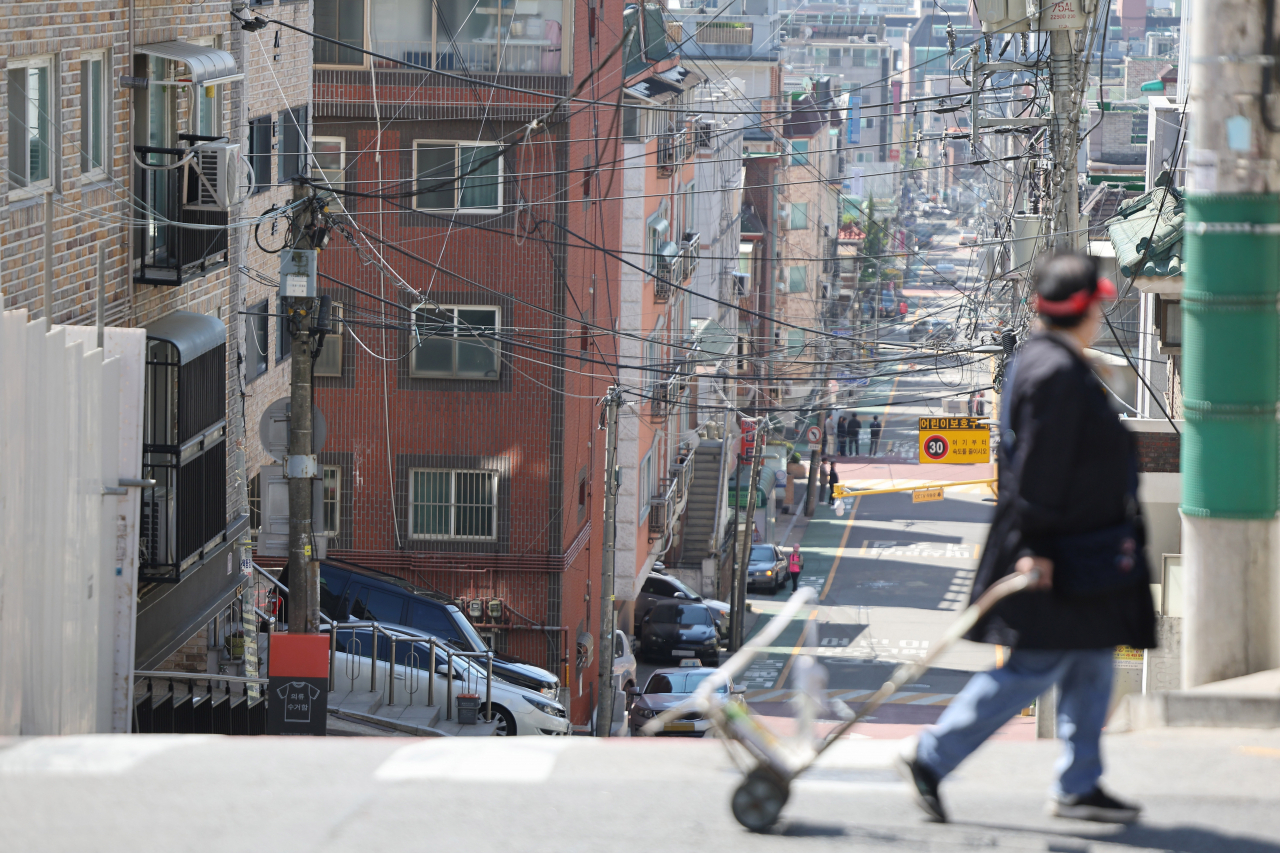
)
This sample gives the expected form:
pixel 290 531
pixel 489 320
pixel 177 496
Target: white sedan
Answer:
pixel 518 710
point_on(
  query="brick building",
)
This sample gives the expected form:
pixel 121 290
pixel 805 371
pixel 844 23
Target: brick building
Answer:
pixel 106 99
pixel 462 400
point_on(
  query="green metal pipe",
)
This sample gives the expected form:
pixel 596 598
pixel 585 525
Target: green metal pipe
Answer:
pixel 1230 375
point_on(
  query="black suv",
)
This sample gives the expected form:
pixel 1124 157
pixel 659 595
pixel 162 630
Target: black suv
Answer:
pixel 349 592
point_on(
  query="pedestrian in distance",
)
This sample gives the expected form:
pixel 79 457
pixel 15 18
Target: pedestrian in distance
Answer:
pixel 832 479
pixel 874 430
pixel 855 428
pixel 794 564
pixel 1067 510
pixel 842 436
pixel 829 436
pixel 823 473
pixel 979 405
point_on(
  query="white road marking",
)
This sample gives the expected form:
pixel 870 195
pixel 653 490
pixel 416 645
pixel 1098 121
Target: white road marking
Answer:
pixel 88 755
pixel 519 760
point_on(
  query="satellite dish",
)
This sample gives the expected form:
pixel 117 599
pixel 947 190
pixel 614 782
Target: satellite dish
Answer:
pixel 273 429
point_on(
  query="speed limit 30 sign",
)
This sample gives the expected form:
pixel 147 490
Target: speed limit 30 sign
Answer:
pixel 954 440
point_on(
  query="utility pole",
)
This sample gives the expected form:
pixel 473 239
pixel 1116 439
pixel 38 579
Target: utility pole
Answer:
pixel 1066 122
pixel 739 604
pixel 1229 362
pixel 298 292
pixel 604 708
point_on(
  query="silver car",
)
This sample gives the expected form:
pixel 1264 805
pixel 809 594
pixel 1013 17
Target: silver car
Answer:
pixel 665 688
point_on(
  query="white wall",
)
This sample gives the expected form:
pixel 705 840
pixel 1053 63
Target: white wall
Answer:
pixel 60 443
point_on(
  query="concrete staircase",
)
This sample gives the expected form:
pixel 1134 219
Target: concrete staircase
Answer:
pixel 1250 701
pixel 700 511
pixel 354 702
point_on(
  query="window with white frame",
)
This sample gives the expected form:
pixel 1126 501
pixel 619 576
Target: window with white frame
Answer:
pixel 457 176
pixel 329 362
pixel 329 154
pixel 456 342
pixel 799 219
pixel 332 486
pixel 95 108
pixel 657 234
pixel 446 504
pixel 646 484
pixel 31 124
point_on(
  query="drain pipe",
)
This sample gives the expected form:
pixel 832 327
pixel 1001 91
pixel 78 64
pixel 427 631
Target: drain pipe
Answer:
pixel 1229 372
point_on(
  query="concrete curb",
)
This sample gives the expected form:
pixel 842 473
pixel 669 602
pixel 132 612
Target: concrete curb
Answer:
pixel 1182 708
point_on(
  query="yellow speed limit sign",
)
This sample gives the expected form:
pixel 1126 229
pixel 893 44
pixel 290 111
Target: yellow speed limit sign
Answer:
pixel 954 440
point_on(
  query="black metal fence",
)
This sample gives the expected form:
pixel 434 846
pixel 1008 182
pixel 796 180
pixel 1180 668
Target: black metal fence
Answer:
pixel 169 250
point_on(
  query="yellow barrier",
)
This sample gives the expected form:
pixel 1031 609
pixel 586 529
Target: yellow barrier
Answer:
pixel 841 491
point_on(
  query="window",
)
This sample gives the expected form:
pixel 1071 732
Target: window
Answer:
pixel 341 20
pixel 208 106
pixel 293 143
pixel 456 342
pixel 255 504
pixel 798 279
pixel 432 619
pixel 458 176
pixel 284 340
pixel 656 230
pixel 795 343
pixel 329 362
pixel 260 152
pixel 799 152
pixel 94 125
pixel 332 491
pixel 330 159
pixel 1138 129
pixel 646 487
pixel 799 215
pixel 377 605
pixel 30 123
pixel 452 504
pixel 255 344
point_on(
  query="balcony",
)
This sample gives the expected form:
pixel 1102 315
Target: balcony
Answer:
pixel 690 252
pixel 674 147
pixel 175 244
pixel 666 271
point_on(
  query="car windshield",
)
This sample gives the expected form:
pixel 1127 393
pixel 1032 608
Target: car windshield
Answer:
pixel 678 682
pixel 683 614
pixel 761 553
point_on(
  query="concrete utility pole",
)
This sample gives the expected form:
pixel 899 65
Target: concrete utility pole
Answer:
pixel 739 604
pixel 1066 125
pixel 1231 625
pixel 604 707
pixel 301 466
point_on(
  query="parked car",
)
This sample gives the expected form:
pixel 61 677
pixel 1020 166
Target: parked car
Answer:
pixel 767 568
pixel 518 710
pixel 624 665
pixel 931 329
pixel 660 586
pixel 351 593
pixel 665 688
pixel 679 630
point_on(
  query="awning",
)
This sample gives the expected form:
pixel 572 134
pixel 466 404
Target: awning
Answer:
pixel 208 65
pixel 713 338
pixel 654 90
pixel 193 334
pixel 681 76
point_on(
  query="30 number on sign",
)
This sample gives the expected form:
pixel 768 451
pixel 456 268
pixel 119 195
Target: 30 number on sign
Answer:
pixel 936 447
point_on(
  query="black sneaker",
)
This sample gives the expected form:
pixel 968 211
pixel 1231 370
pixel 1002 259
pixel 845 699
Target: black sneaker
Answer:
pixel 924 784
pixel 1096 805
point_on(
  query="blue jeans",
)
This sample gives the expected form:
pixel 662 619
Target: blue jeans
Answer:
pixel 991 698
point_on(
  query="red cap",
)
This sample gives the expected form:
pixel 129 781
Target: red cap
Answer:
pixel 1078 302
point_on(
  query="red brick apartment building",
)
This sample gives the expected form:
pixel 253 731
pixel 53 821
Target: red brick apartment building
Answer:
pixel 462 399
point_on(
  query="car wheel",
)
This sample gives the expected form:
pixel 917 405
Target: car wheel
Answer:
pixel 506 722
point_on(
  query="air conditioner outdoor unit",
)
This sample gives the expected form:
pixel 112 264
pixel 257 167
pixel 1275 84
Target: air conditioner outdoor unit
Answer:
pixel 210 178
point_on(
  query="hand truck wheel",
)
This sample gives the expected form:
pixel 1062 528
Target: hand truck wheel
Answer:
pixel 758 801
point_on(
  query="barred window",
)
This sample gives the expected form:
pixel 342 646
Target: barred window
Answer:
pixel 452 504
pixel 332 499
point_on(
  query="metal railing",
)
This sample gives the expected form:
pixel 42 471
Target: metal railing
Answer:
pixel 393 637
pixel 167 253
pixel 178 714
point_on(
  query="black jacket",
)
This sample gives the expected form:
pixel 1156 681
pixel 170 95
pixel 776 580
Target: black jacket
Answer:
pixel 1066 467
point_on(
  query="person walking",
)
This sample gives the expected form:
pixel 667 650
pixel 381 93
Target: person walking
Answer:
pixel 794 563
pixel 874 430
pixel 823 473
pixel 842 436
pixel 1067 510
pixel 829 435
pixel 832 479
pixel 855 427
